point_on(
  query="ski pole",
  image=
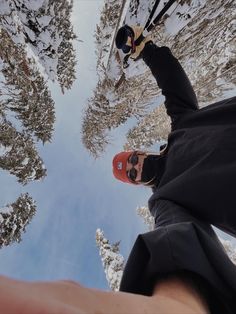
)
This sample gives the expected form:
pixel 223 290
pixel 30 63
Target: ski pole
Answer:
pixel 159 16
pixel 152 13
pixel 149 26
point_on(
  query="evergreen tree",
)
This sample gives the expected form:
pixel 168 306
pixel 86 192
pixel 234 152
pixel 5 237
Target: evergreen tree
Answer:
pixel 104 33
pixel 66 67
pixel 148 219
pixel 24 90
pixel 110 107
pixel 36 38
pixel 230 249
pixel 112 260
pixel 206 49
pixel 19 155
pixel 153 128
pixel 46 28
pixel 14 218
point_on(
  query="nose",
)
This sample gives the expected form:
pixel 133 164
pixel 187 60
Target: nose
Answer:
pixel 130 166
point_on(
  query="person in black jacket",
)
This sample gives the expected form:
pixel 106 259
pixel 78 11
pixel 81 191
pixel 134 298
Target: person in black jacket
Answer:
pixel 193 182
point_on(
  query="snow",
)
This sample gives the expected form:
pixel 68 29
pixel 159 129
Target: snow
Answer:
pixel 112 260
pixel 145 214
pixel 35 4
pixel 124 13
pixel 36 32
pixel 25 162
pixel 182 16
pixel 30 33
pixel 230 92
pixel 6 210
pixel 5 9
pixel 4 150
pixel 44 20
pixel 230 249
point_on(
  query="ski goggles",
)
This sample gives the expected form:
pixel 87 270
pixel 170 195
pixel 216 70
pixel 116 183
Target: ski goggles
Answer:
pixel 133 160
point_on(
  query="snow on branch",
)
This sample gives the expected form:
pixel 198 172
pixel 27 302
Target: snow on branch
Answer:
pixel 18 154
pixel 24 91
pixel 112 260
pixel 230 249
pixel 153 128
pixel 14 218
pixel 46 32
pixel 145 214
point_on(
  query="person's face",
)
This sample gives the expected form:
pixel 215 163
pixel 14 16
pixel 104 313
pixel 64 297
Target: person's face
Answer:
pixel 135 165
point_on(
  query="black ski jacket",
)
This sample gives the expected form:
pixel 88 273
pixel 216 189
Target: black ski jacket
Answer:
pixel 196 189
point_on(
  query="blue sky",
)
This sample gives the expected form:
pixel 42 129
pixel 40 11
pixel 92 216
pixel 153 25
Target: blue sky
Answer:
pixel 79 193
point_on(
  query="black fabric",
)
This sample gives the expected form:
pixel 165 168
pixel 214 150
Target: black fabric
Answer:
pixel 172 80
pixel 151 168
pixel 122 36
pixel 139 40
pixel 181 242
pixel 200 167
pixel 195 189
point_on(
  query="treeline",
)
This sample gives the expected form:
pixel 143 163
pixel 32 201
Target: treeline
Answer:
pixel 36 41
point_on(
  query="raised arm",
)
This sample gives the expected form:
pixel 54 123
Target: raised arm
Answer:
pixel 172 80
pixel 169 74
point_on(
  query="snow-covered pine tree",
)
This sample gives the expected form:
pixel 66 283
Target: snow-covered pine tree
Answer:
pixel 66 67
pixel 153 128
pixel 107 110
pixel 36 39
pixel 105 31
pixel 230 249
pixel 45 27
pixel 14 218
pixel 18 154
pixel 112 260
pixel 24 90
pixel 145 214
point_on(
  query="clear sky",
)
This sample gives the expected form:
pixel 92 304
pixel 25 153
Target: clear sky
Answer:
pixel 79 193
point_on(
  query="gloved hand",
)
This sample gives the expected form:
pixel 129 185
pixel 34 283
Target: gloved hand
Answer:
pixel 130 40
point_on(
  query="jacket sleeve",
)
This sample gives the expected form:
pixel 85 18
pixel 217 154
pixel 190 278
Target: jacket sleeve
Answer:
pixel 181 244
pixel 172 80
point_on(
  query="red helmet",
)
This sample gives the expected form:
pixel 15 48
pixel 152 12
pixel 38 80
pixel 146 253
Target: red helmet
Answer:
pixel 119 166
